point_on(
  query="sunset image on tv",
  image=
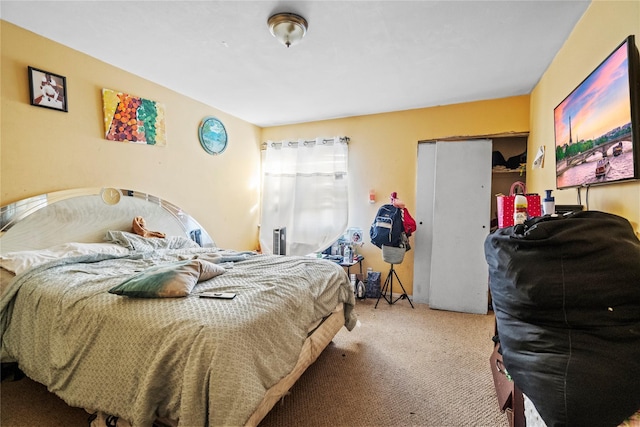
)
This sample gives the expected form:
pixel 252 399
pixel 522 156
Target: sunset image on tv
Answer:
pixel 593 126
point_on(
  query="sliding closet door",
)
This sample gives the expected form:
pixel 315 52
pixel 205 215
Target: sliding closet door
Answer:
pixel 422 237
pixel 456 221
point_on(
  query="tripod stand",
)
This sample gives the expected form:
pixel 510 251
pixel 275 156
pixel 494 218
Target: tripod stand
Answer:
pixel 388 286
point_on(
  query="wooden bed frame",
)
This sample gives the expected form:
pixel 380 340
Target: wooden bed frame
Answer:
pixel 84 215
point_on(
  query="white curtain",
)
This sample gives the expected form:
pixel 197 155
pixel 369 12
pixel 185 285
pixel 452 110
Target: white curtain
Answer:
pixel 305 189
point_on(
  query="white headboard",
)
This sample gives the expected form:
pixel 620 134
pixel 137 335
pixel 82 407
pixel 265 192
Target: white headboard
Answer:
pixel 86 214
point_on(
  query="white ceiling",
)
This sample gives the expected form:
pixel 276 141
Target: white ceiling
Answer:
pixel 358 57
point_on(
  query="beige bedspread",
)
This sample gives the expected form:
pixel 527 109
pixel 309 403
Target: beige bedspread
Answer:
pixel 202 361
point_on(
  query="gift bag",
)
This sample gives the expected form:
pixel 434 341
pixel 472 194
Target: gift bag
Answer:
pixel 534 205
pixel 505 204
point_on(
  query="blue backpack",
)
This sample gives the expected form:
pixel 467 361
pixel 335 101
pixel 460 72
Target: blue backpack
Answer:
pixel 387 227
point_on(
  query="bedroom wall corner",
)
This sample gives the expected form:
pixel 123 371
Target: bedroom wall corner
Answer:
pixel 44 150
pixel 604 25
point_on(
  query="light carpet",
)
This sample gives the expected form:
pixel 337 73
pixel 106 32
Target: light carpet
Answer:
pixel 399 367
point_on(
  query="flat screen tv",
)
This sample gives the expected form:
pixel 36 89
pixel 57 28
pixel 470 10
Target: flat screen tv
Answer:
pixel 597 127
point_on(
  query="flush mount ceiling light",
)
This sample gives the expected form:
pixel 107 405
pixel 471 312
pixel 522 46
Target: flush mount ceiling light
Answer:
pixel 288 28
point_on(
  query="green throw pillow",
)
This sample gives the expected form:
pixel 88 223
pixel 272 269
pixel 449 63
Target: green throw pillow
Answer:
pixel 172 280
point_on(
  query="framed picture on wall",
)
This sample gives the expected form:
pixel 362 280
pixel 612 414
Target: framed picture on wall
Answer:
pixel 47 89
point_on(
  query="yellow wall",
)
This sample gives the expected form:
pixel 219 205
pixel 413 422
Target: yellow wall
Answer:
pixel 44 150
pixel 602 28
pixel 383 154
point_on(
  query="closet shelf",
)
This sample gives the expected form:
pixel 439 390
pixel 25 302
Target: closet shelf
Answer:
pixel 509 171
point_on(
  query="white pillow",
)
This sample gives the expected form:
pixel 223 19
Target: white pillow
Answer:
pixel 17 262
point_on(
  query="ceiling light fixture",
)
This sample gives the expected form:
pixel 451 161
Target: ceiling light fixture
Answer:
pixel 288 28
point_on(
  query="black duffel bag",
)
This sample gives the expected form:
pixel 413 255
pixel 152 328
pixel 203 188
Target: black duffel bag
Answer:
pixel 566 296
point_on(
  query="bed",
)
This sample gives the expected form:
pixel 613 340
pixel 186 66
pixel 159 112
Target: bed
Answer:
pixel 566 296
pixel 118 327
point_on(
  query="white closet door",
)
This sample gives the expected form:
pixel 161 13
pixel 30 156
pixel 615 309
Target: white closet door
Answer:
pixel 458 225
pixel 422 237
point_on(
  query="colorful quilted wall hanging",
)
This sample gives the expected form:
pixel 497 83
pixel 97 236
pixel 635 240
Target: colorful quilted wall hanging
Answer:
pixel 129 118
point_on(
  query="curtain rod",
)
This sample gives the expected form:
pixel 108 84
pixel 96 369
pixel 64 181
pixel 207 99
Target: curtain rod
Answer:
pixel 344 139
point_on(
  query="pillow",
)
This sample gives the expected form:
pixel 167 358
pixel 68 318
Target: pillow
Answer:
pixel 17 262
pixel 172 280
pixel 138 243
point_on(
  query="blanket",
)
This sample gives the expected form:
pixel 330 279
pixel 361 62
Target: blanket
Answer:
pixel 202 361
